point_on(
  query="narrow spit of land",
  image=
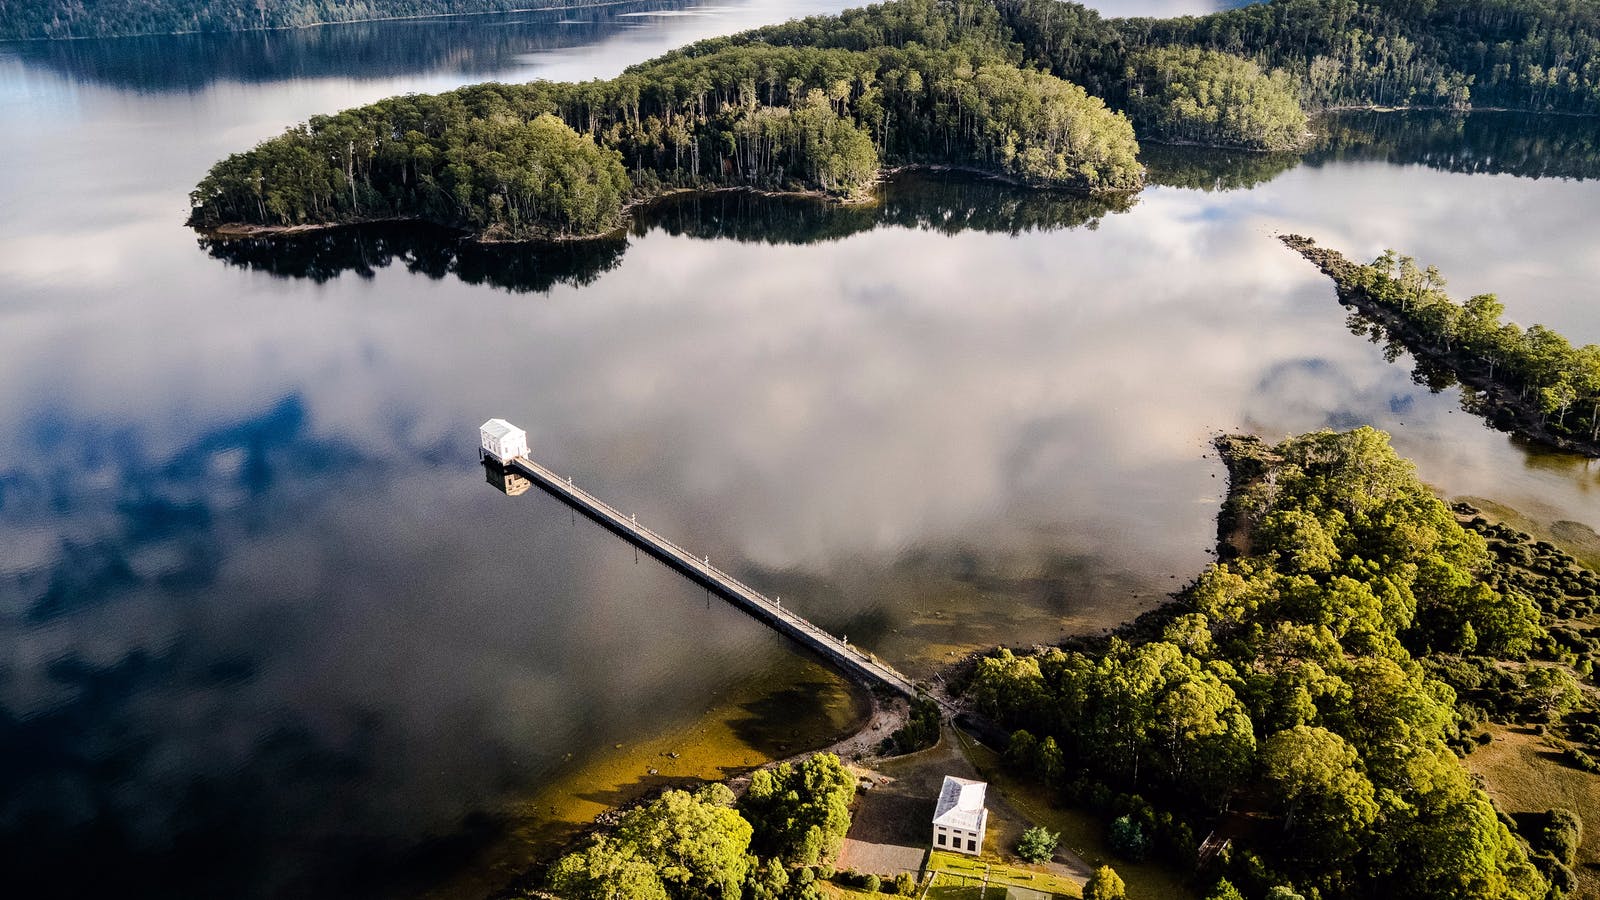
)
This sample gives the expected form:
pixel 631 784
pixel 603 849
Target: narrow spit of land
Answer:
pixel 1510 407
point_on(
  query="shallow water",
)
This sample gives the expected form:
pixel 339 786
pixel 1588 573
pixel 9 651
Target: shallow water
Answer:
pixel 269 631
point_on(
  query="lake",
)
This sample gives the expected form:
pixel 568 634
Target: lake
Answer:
pixel 269 631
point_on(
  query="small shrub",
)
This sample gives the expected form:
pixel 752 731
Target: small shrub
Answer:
pixel 1105 884
pixel 1037 845
pixel 1099 796
pixel 1128 840
pixel 871 884
pixel 1582 760
pixel 1562 878
pixel 905 884
pixel 1224 891
pixel 1561 835
pixel 920 732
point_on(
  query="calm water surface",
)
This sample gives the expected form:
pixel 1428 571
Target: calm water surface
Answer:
pixel 267 631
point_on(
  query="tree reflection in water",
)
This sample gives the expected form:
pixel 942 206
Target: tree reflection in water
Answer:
pixel 947 203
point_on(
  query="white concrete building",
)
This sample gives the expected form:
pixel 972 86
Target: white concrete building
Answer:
pixel 960 819
pixel 503 441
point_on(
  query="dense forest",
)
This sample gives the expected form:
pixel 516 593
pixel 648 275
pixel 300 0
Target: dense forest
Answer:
pixel 1203 96
pixel 1310 695
pixel 1215 99
pixel 1541 55
pixel 1529 380
pixel 57 19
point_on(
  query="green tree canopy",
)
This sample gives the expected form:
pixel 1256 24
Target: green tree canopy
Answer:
pixel 801 812
pixel 1203 96
pixel 606 870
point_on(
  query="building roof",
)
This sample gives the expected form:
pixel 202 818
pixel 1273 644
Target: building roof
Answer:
pixel 960 804
pixel 500 428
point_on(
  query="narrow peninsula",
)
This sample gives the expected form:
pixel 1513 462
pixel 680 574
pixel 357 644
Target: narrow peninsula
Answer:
pixel 1295 722
pixel 1532 382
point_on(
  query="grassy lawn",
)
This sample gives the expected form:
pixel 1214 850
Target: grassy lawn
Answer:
pixel 1523 774
pixel 970 870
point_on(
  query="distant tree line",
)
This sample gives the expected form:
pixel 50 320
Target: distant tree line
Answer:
pixel 1289 681
pixel 56 19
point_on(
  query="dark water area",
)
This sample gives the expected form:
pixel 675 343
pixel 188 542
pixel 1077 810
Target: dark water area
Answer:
pixel 1485 143
pixel 269 633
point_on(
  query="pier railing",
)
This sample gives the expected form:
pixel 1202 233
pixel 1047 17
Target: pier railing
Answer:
pixel 857 663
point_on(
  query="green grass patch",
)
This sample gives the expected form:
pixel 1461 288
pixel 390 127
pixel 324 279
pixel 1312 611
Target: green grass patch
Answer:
pixel 957 873
pixel 955 892
pixel 1525 774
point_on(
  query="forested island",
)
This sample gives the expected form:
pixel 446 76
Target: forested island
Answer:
pixel 547 159
pixel 1041 92
pixel 1532 381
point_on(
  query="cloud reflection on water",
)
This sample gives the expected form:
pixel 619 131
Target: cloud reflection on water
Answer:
pixel 269 623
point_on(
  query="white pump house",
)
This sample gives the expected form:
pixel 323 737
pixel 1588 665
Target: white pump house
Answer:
pixel 960 819
pixel 503 441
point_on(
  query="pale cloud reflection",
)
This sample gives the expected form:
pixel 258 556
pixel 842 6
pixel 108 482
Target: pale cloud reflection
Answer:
pixel 246 543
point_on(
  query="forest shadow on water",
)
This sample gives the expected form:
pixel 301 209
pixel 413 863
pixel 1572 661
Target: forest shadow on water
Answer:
pixel 946 203
pixel 1524 145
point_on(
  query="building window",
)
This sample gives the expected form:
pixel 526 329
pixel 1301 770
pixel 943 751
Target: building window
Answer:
pixel 941 840
pixel 972 846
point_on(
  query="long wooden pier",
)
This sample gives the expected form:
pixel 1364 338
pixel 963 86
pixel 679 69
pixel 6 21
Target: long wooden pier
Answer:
pixel 856 664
